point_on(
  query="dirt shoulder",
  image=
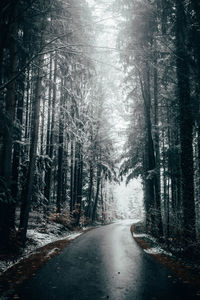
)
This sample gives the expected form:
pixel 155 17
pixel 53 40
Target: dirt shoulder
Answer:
pixel 15 276
pixel 184 272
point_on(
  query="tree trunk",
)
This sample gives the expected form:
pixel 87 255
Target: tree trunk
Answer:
pixel 49 108
pixel 17 151
pixel 50 146
pixel 75 177
pixel 6 211
pixel 90 189
pixel 27 108
pixel 27 192
pixel 42 129
pixel 65 174
pixel 72 178
pixel 149 152
pixel 60 153
pixel 157 150
pixel 94 212
pixel 79 186
pixel 186 126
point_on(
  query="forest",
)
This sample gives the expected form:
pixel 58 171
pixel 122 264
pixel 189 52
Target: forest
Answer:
pixel 161 40
pixel 57 153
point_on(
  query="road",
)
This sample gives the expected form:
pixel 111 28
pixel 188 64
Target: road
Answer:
pixel 104 263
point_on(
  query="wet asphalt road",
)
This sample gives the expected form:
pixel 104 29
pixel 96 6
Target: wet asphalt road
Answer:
pixel 105 263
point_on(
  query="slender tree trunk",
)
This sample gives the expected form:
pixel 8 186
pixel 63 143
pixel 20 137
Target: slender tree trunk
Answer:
pixel 167 210
pixel 17 152
pixel 28 188
pixel 47 151
pixel 65 174
pixel 72 178
pixel 75 176
pixel 29 110
pixel 94 212
pixel 49 108
pixel 65 146
pixel 60 154
pixel 42 129
pixel 102 203
pixel 90 189
pixel 79 186
pixel 157 150
pixel 165 196
pixel 26 135
pixel 50 147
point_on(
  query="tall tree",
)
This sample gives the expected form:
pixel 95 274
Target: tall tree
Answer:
pixel 186 124
pixel 9 116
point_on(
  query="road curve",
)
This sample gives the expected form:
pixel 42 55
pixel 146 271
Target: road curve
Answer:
pixel 104 263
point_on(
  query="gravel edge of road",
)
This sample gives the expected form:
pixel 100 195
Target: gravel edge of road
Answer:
pixel 184 273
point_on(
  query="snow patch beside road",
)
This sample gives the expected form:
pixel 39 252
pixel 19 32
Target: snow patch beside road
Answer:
pixel 157 250
pixel 36 240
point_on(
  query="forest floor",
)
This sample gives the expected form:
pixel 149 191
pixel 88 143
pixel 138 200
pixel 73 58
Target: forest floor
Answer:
pixel 187 270
pixel 44 241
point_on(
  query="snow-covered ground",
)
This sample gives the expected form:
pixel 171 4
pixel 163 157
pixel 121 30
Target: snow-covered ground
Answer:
pixel 157 250
pixel 36 239
pixel 153 250
pixel 42 239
